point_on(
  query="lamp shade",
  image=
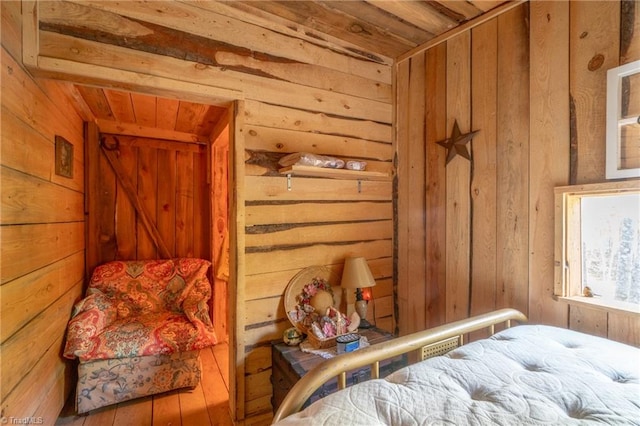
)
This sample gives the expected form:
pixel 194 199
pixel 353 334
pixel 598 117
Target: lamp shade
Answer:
pixel 356 273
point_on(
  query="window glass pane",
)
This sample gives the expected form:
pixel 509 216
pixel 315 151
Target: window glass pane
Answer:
pixel 610 231
pixel 630 146
pixel 630 96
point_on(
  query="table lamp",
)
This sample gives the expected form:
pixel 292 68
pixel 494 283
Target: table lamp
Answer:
pixel 357 275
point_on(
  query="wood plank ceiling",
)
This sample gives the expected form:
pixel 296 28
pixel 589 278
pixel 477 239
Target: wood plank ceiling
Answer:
pixel 385 27
pixel 137 114
pixel 388 28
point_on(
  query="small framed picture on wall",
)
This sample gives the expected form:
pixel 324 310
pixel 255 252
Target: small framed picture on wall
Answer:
pixel 64 157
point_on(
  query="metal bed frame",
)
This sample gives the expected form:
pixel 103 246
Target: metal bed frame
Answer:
pixel 423 344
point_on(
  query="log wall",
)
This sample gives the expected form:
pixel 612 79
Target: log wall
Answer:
pixel 42 227
pixel 291 91
pixel 479 235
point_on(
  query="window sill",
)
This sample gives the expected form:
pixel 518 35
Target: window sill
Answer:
pixel 597 303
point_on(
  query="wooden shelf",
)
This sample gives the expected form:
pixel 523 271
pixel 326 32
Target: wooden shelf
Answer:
pixel 296 170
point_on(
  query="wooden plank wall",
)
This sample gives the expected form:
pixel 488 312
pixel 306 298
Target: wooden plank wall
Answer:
pixel 533 82
pixel 219 161
pixel 170 179
pixel 42 227
pixel 296 92
pixel 602 36
pixel 318 222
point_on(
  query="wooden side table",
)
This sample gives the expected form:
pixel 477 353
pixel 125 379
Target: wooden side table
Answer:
pixel 289 364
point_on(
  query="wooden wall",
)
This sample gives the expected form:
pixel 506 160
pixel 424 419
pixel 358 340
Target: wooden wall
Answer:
pixel 318 222
pixel 471 236
pixel 603 35
pixel 478 235
pixel 293 91
pixel 219 161
pixel 170 184
pixel 42 234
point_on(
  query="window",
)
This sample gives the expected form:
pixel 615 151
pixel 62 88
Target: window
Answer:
pixel 598 244
pixel 623 121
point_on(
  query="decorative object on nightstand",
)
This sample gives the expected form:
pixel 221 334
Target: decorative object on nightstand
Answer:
pixel 357 275
pixel 348 342
pixel 292 336
pixel 311 301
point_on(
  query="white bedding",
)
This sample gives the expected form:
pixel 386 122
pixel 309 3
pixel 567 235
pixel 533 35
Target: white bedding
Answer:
pixel 524 375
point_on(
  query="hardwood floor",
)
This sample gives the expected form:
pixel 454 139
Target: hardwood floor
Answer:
pixel 207 404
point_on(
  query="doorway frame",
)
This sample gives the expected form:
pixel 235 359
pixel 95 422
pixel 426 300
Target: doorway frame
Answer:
pixel 130 81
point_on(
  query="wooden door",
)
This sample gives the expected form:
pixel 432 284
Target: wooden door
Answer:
pixel 146 198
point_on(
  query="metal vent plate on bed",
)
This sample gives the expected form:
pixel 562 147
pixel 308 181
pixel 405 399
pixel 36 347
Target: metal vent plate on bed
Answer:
pixel 439 348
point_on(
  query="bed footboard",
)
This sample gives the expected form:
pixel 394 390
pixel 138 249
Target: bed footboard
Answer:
pixel 424 344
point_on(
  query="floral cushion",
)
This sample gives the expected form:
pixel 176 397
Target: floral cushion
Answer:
pixel 138 308
pixel 110 381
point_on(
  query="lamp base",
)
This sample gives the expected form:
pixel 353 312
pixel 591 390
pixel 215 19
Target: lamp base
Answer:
pixel 361 309
pixel 364 323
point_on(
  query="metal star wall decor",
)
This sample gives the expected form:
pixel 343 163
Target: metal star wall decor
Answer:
pixel 457 143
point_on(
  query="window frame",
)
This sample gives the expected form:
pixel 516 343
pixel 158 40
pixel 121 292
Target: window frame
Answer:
pixel 615 99
pixel 568 255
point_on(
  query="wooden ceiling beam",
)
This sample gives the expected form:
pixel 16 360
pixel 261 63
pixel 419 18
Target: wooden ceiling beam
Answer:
pixel 130 129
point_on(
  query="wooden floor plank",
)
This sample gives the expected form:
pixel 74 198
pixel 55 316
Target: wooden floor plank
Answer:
pixel 72 419
pixel 215 389
pixel 193 407
pixel 135 412
pixel 101 417
pixel 166 409
pixel 221 355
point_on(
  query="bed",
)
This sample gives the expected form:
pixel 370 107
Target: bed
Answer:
pixel 525 374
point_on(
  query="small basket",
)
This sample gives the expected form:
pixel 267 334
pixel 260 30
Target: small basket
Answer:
pixel 318 343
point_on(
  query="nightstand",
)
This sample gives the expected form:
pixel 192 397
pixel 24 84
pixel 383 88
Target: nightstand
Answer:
pixel 290 364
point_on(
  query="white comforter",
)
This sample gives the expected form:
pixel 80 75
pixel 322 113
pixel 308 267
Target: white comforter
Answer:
pixel 524 375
